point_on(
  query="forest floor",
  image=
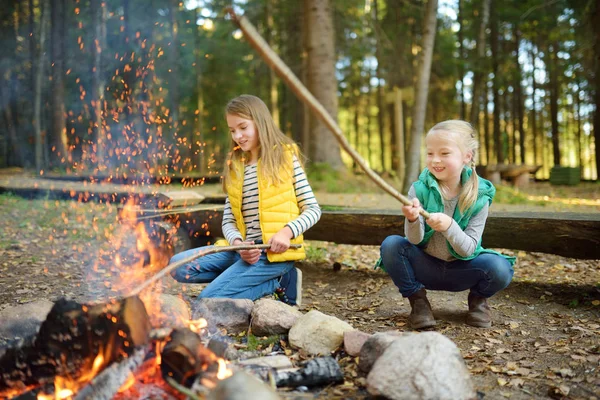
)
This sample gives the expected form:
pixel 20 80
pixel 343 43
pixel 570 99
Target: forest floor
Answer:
pixel 544 342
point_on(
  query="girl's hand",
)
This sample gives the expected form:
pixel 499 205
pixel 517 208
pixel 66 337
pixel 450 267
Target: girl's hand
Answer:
pixel 250 256
pixel 439 222
pixel 280 241
pixel 412 212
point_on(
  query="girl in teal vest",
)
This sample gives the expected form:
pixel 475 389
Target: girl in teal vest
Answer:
pixel 268 201
pixel 444 251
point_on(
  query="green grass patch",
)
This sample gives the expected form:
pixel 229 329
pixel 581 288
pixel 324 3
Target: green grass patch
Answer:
pixel 315 254
pixel 509 195
pixel 259 343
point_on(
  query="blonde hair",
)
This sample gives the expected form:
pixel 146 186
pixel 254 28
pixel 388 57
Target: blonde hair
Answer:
pixel 465 136
pixel 272 142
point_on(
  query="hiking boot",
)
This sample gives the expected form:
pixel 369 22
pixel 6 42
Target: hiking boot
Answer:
pixel 479 314
pixel 421 315
pixel 290 287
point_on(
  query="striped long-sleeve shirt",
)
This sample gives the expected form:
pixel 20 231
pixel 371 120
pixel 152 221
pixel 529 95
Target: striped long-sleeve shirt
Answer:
pixel 310 212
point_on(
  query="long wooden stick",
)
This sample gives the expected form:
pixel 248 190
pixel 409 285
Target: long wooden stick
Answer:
pixel 201 253
pixel 284 72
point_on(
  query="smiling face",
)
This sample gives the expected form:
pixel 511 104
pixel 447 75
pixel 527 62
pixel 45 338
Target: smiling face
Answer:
pixel 244 134
pixel 445 159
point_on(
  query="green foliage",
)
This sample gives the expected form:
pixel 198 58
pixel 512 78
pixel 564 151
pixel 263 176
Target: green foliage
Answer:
pixel 259 343
pixel 509 195
pixel 315 254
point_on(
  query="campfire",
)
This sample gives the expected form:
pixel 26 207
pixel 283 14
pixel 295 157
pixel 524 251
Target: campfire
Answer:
pixel 121 346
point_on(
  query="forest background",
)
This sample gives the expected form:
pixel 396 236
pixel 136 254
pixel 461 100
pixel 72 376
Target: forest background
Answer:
pixel 137 88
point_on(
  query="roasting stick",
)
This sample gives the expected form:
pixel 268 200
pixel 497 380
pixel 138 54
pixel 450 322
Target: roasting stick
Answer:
pixel 285 73
pixel 212 250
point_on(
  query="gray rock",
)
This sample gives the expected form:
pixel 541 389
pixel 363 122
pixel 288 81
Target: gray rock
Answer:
pixel 23 320
pixel 242 386
pixel 374 347
pixel 277 361
pixel 172 311
pixel 421 366
pixel 272 317
pixel 317 333
pixel 354 341
pixel 231 314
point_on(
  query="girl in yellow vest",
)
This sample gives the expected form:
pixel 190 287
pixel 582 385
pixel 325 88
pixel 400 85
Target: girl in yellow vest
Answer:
pixel 269 200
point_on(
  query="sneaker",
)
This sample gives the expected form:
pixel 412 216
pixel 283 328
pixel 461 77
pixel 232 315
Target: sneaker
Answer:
pixel 290 287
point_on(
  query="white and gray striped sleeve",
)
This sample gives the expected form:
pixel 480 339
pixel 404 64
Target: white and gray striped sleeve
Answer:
pixel 229 225
pixel 310 212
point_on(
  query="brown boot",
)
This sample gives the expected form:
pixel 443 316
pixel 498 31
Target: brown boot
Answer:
pixel 479 314
pixel 420 315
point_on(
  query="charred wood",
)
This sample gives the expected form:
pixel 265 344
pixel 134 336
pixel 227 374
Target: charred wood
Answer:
pixel 71 339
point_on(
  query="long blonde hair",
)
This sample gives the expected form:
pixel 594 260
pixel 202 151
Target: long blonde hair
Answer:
pixel 465 136
pixel 272 142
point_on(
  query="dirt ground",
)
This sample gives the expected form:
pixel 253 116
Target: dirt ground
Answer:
pixel 545 341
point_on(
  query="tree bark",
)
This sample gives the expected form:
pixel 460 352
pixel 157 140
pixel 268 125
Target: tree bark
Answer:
pixel 38 87
pixel 596 28
pixel 380 93
pixel 58 142
pixel 480 61
pixel 269 34
pixel 533 107
pixel 174 70
pixel 98 9
pixel 198 142
pixel 461 67
pixel 553 76
pixel 496 88
pixel 422 89
pixel 322 82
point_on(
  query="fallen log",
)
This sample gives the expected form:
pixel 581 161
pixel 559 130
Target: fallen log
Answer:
pixel 74 340
pixel 575 235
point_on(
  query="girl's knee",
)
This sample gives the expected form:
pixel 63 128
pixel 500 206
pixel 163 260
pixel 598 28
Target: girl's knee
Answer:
pixel 501 271
pixel 394 243
pixel 182 274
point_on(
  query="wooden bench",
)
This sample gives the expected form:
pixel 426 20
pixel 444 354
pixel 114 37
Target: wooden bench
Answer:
pixel 518 174
pixel 574 235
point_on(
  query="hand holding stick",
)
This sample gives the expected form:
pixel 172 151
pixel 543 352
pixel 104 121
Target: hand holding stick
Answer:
pixel 200 253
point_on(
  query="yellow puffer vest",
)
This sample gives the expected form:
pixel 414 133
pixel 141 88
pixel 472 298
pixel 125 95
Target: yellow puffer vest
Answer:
pixel 277 205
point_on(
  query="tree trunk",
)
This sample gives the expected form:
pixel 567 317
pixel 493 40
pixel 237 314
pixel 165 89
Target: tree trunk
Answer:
pixel 174 70
pixel 269 34
pixel 486 128
pixel 296 60
pixel 98 9
pixel 496 88
pixel 380 93
pixel 596 28
pixel 533 107
pixel 461 59
pixel 422 90
pixel 322 82
pixel 198 145
pixel 479 64
pixel 38 87
pixel 58 139
pixel 553 76
pixel 519 96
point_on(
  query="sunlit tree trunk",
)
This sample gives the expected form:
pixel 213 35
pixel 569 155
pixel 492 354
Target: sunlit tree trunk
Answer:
pixel 596 84
pixel 533 123
pixel 519 96
pixel 480 62
pixel 552 63
pixel 381 96
pixel 422 89
pixel 173 62
pixel 322 82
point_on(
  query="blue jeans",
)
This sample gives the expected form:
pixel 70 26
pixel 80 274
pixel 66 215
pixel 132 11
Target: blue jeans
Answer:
pixel 229 275
pixel 412 269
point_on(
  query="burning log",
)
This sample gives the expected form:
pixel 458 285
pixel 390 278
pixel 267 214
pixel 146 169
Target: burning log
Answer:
pixel 74 343
pixel 184 359
pixel 106 384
